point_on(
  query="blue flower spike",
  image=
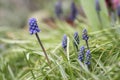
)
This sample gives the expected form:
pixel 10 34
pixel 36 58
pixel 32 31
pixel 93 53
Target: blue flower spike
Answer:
pixel 64 42
pixel 33 27
pixel 81 54
pixel 76 40
pixel 118 10
pixel 73 12
pixel 85 37
pixel 98 9
pixel 58 8
pixel 97 5
pixel 88 58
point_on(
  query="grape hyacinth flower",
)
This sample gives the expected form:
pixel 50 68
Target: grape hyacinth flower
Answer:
pixel 85 37
pixel 98 9
pixel 118 10
pixel 33 29
pixel 58 8
pixel 73 12
pixel 97 5
pixel 64 42
pixel 88 57
pixel 76 40
pixel 81 54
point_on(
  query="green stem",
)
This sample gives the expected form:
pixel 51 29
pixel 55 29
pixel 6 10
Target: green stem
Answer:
pixel 43 49
pixel 99 17
pixel 87 44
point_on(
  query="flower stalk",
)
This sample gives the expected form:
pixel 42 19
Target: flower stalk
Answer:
pixel 33 29
pixel 85 37
pixel 40 43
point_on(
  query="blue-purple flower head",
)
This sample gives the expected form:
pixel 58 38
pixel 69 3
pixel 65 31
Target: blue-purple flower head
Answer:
pixel 76 39
pixel 97 5
pixel 81 53
pixel 58 8
pixel 88 57
pixel 85 35
pixel 73 12
pixel 64 42
pixel 33 27
pixel 118 10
